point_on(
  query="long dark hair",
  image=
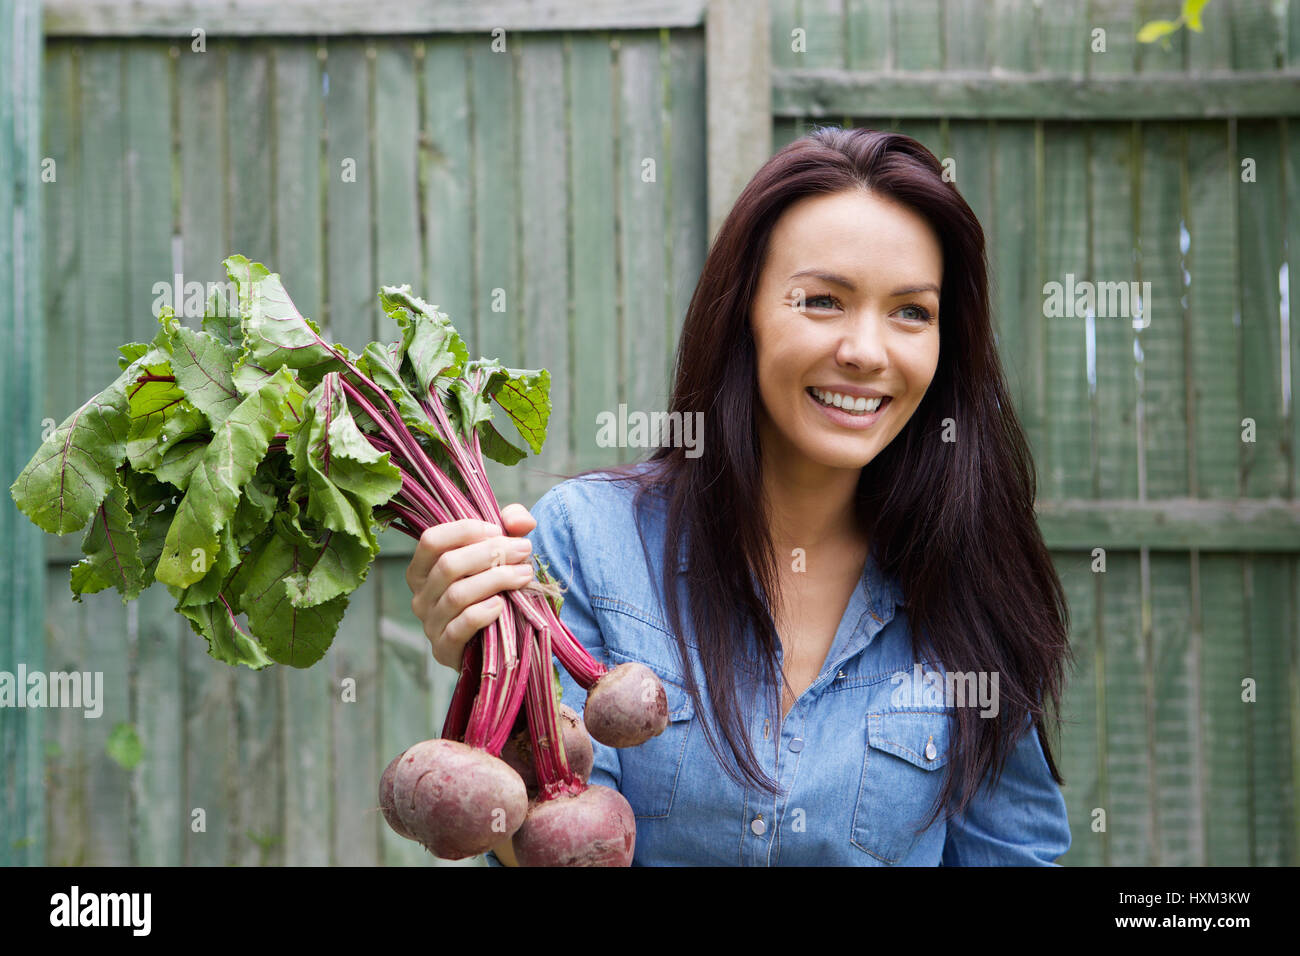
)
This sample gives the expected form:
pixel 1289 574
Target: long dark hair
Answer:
pixel 954 520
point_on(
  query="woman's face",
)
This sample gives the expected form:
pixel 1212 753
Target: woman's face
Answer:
pixel 847 305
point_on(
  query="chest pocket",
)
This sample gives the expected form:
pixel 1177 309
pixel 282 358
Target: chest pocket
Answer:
pixel 902 774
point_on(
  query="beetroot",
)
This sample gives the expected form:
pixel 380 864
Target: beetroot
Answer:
pixel 626 706
pixel 386 805
pixel 594 828
pixel 456 800
pixel 518 751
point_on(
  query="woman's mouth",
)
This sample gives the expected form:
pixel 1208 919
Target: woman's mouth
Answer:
pixel 847 410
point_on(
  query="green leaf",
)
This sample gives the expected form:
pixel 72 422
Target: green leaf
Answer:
pixel 112 550
pixel 160 413
pixel 344 475
pixel 216 483
pixel 227 641
pixel 1192 13
pixel 1155 29
pixel 130 352
pixel 222 320
pixel 124 747
pixel 276 334
pixel 74 469
pixel 297 636
pixel 203 366
pixel 523 394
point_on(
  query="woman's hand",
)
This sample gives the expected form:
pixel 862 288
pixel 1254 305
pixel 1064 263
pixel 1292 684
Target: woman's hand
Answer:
pixel 457 573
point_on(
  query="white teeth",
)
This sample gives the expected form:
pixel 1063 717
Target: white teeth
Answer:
pixel 848 403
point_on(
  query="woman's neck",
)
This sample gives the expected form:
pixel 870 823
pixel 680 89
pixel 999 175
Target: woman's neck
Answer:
pixel 809 505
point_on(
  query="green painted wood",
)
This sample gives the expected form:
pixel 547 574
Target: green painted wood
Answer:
pixel 1081 754
pixel 869 29
pixel 299 258
pixel 1225 753
pixel 64 787
pixel 823 23
pixel 1065 467
pixel 687 178
pixel 445 178
pixel 1259 237
pixel 1213 311
pixel 1113 176
pixel 800 92
pixel 966 26
pixel 918 32
pixel 103 161
pixel 172 18
pixel 1173 714
pixel 1131 811
pixel 594 276
pixel 210 782
pixel 154 629
pixel 1015 25
pixel 544 188
pixel 1015 286
pixel 1164 360
pixel 1271 738
pixel 353 309
pixel 1120 20
pixel 640 191
pixel 494 127
pixel 784 20
pixel 22 582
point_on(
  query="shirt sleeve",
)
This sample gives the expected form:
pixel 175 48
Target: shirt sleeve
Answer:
pixel 553 544
pixel 1020 822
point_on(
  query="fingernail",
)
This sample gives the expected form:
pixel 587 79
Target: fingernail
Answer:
pixel 521 547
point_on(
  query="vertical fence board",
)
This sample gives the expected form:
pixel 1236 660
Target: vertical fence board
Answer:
pixel 594 268
pixel 544 190
pixel 918 29
pixel 1273 806
pixel 1079 754
pixel 642 227
pixel 497 295
pixel 1224 724
pixel 687 202
pixel 448 184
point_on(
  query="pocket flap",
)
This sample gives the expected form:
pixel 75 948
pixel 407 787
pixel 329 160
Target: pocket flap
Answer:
pixel 919 737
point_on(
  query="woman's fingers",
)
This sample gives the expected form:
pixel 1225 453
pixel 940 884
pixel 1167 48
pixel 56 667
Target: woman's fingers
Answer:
pixel 518 521
pixel 439 539
pixel 450 649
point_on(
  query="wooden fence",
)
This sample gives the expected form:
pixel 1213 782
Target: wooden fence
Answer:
pixel 516 180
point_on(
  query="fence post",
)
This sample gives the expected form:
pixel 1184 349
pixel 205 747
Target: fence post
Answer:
pixel 22 362
pixel 738 62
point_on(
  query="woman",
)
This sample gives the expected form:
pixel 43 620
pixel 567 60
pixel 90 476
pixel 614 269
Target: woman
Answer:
pixel 845 592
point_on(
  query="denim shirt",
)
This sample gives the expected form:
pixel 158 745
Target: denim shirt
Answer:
pixel 859 762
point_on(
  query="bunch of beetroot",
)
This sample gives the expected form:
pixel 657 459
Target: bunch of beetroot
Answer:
pixel 250 464
pixel 480 784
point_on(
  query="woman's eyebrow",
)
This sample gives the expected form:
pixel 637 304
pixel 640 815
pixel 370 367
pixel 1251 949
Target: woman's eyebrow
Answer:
pixel 842 281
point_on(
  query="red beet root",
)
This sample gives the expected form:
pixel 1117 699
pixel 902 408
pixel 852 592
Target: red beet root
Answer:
pixel 386 805
pixel 595 828
pixel 456 800
pixel 626 707
pixel 518 752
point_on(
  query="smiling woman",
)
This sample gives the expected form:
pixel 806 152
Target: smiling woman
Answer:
pixel 860 510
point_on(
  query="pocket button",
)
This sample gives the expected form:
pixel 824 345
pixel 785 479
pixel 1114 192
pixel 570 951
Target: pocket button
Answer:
pixel 796 745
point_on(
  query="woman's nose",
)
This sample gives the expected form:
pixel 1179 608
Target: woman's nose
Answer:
pixel 862 343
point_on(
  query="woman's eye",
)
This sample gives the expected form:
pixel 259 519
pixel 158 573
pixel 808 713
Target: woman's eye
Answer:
pixel 922 314
pixel 813 299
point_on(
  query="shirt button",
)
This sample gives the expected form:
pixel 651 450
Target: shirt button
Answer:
pixel 796 744
pixel 930 752
pixel 758 826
